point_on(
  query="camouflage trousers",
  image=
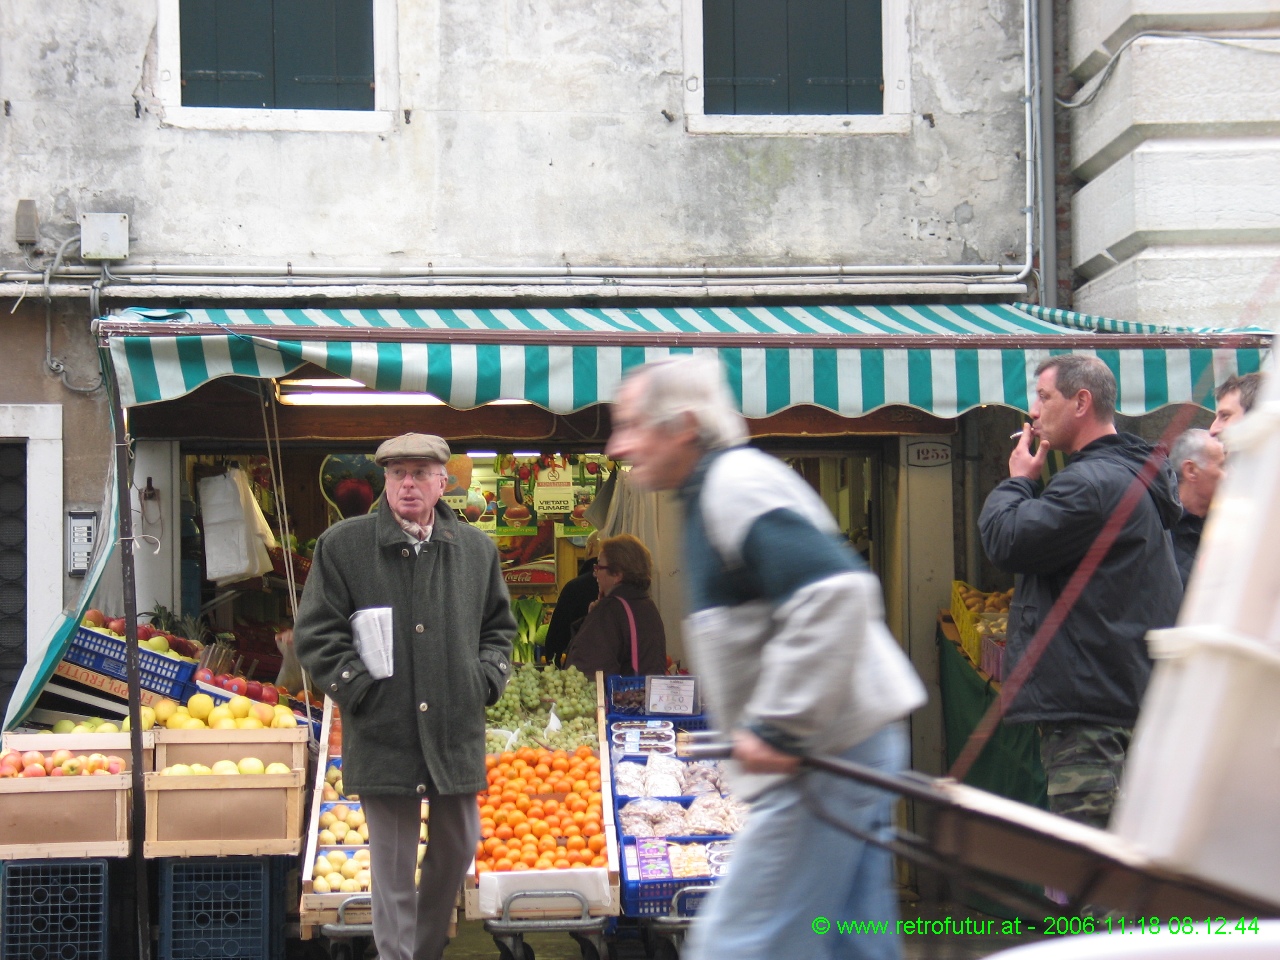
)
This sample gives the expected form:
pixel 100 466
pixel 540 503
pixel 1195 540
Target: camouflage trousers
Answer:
pixel 1082 765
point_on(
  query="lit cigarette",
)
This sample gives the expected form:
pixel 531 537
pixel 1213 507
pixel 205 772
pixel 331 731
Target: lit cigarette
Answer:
pixel 1015 435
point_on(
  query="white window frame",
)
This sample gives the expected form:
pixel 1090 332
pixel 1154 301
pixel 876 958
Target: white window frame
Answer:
pixel 896 118
pixel 386 91
pixel 40 425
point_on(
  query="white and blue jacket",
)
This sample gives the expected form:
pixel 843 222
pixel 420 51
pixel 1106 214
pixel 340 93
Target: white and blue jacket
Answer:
pixel 785 626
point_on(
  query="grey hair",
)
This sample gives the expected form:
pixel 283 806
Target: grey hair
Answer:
pixel 1075 372
pixel 1191 445
pixel 692 385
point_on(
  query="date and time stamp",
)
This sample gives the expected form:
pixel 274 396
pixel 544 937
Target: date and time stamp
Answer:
pixel 1048 927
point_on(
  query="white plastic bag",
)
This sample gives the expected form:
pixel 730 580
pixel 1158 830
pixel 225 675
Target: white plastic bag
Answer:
pixel 236 534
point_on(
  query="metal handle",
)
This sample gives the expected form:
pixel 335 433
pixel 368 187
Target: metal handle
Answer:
pixel 547 895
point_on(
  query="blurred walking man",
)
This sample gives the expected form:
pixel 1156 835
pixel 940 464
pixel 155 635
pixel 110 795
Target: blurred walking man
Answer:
pixel 1234 399
pixel 1198 458
pixel 1085 691
pixel 786 634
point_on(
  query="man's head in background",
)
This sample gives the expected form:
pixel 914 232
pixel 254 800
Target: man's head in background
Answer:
pixel 1235 397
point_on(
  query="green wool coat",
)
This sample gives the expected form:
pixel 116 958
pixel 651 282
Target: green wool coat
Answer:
pixel 422 727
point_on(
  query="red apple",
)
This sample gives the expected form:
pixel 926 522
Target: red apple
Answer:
pixel 237 685
pixel 592 467
pixel 57 772
pixel 270 694
pixel 146 631
pixel 115 765
pixel 60 757
pixel 33 758
pixel 34 770
pixel 253 690
pixel 222 680
pixel 204 675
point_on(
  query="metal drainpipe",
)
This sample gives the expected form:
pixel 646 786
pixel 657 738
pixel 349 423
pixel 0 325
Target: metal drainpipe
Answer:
pixel 1048 160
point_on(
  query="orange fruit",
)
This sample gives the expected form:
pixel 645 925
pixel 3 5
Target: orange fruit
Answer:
pixel 571 830
pixel 520 865
pixel 507 757
pixel 479 849
pixel 482 866
pixel 502 866
pixel 544 864
pixel 562 864
pixel 547 842
pixel 591 827
pixel 490 844
pixel 504 832
pixel 542 770
pixel 599 861
pixel 583 751
pixel 529 859
pixel 560 763
pixel 539 829
pixel 552 820
pixel 596 842
pixel 579 865
pixel 490 761
pixel 500 851
pixel 575 843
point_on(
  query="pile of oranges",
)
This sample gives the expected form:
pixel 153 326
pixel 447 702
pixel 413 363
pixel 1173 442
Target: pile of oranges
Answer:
pixel 543 810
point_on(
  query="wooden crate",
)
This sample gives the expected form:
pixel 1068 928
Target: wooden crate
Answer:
pixel 287 746
pixel 254 815
pixel 64 817
pixel 112 744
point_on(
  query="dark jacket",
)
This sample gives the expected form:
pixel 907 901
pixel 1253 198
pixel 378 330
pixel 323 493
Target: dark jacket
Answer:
pixel 572 605
pixel 1096 667
pixel 603 642
pixel 1186 543
pixel 424 725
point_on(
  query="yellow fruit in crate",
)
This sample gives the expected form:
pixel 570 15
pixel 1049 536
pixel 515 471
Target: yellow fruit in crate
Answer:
pixel 191 723
pixel 200 706
pixel 200 770
pixel 106 728
pixel 363 878
pixel 321 867
pixel 336 857
pixel 349 869
pixel 225 768
pixel 327 820
pixel 351 885
pixel 363 830
pixel 239 706
pixel 218 713
pixel 251 766
pixel 355 818
pixel 340 811
pixel 164 709
pixel 320 885
pixel 328 794
pixel 353 838
pixel 176 720
pixel 326 838
pixel 248 723
pixel 263 711
pixel 282 720
pixel 362 856
pixel 277 768
pixel 336 881
pixel 224 723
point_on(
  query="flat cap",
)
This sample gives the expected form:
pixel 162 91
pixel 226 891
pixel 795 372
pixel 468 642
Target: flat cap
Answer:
pixel 412 446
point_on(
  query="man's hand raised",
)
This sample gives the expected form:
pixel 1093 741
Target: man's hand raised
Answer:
pixel 1024 463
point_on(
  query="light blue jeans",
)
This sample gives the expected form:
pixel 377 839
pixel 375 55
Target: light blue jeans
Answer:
pixel 790 868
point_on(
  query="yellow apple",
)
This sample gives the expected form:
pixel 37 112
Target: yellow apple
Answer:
pixel 191 723
pixel 106 728
pixel 248 723
pixel 277 768
pixel 164 709
pixel 263 712
pixel 224 723
pixel 200 770
pixel 225 768
pixel 251 766
pixel 239 706
pixel 200 706
pixel 221 711
pixel 282 720
pixel 176 770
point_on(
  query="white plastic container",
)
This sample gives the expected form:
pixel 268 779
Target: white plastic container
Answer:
pixel 1201 790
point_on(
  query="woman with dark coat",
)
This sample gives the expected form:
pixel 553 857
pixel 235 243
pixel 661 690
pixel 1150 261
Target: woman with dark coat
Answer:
pixel 603 641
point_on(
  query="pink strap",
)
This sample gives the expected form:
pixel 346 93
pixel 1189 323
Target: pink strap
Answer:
pixel 635 653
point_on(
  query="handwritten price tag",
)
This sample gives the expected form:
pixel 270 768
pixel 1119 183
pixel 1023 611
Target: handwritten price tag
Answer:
pixel 671 695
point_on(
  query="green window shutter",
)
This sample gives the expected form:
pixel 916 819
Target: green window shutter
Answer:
pixel 226 53
pixel 816 56
pixel 354 49
pixel 864 31
pixel 717 56
pixel 760 56
pixel 324 54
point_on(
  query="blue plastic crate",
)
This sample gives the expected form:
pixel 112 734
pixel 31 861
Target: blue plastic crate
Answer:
pixel 105 655
pixel 54 909
pixel 650 898
pixel 216 907
pixel 617 684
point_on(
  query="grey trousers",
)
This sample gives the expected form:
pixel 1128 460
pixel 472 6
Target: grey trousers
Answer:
pixel 409 925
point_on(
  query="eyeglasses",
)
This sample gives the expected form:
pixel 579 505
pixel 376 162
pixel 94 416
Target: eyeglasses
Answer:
pixel 604 567
pixel 419 474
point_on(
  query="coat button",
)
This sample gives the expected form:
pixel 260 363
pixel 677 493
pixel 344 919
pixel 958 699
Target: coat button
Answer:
pixel 422 707
pixel 418 628
pixel 333 688
pixel 404 552
pixel 422 788
pixel 346 674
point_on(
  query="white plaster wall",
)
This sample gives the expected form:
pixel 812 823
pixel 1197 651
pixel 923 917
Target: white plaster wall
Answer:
pixel 1226 286
pixel 1171 87
pixel 535 135
pixel 1098 27
pixel 1178 192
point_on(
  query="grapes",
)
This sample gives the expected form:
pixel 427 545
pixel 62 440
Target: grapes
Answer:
pixel 525 707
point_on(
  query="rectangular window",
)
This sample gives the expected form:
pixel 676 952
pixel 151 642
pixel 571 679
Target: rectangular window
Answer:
pixel 277 54
pixel 792 57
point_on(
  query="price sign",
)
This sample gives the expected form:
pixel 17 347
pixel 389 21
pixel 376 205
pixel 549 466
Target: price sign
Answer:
pixel 553 492
pixel 671 695
pixel 928 453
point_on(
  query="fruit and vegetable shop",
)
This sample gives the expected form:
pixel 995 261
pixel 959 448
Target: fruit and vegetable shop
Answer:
pixel 212 770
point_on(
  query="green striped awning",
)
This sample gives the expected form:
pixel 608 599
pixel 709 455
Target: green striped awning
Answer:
pixel 943 359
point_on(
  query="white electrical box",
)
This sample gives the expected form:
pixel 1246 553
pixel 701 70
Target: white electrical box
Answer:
pixel 82 532
pixel 104 236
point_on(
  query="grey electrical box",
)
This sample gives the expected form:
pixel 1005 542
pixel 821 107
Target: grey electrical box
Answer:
pixel 26 223
pixel 104 236
pixel 82 531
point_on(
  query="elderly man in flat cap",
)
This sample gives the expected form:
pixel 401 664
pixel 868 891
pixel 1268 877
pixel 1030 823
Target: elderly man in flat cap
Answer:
pixel 405 622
